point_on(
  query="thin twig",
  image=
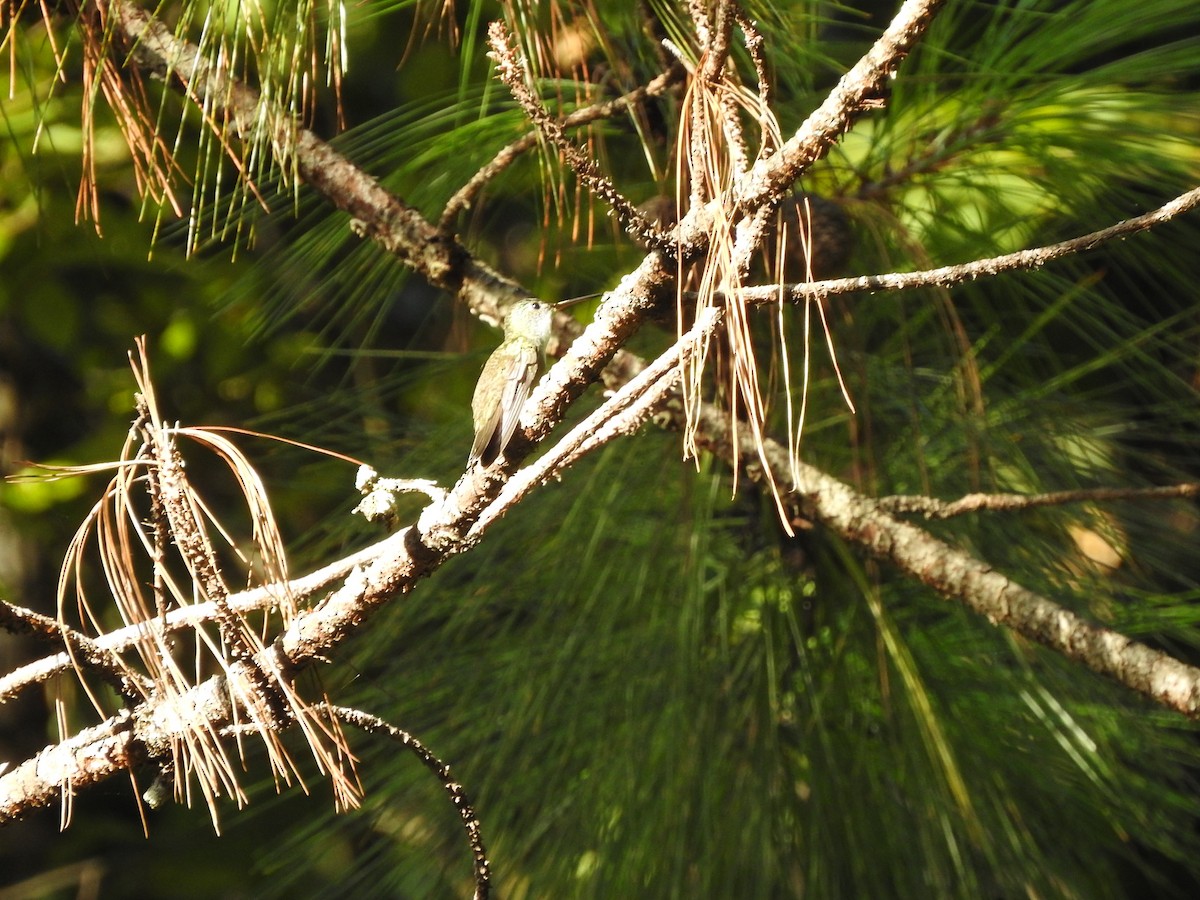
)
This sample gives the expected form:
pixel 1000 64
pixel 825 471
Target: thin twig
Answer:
pixel 714 68
pixel 947 276
pixel 753 40
pixel 263 695
pixel 376 725
pixel 513 75
pixel 466 195
pixel 932 508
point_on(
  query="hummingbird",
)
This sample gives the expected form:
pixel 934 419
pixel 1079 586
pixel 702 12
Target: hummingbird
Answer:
pixel 507 378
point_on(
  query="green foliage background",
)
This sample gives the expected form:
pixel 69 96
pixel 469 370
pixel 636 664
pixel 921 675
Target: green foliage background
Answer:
pixel 647 688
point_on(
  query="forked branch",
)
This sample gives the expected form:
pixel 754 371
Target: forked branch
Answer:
pixel 394 566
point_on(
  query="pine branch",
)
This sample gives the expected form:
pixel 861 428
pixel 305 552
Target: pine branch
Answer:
pixel 858 91
pixel 375 212
pixel 121 639
pixel 948 276
pixel 958 576
pixel 462 805
pixel 932 508
pixel 465 196
pixel 589 174
pixel 396 564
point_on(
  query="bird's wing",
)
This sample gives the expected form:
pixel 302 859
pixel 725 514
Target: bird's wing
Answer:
pixel 486 410
pixel 517 385
pixel 503 389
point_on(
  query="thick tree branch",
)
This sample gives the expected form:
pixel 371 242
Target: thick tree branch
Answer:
pixel 377 212
pixel 957 575
pixel 857 91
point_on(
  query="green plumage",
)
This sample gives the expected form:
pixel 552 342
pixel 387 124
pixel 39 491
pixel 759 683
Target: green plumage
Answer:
pixel 507 378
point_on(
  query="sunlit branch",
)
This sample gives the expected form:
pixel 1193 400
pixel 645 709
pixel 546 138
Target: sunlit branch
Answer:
pixel 114 642
pixel 959 576
pixel 84 651
pixel 857 91
pixel 948 276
